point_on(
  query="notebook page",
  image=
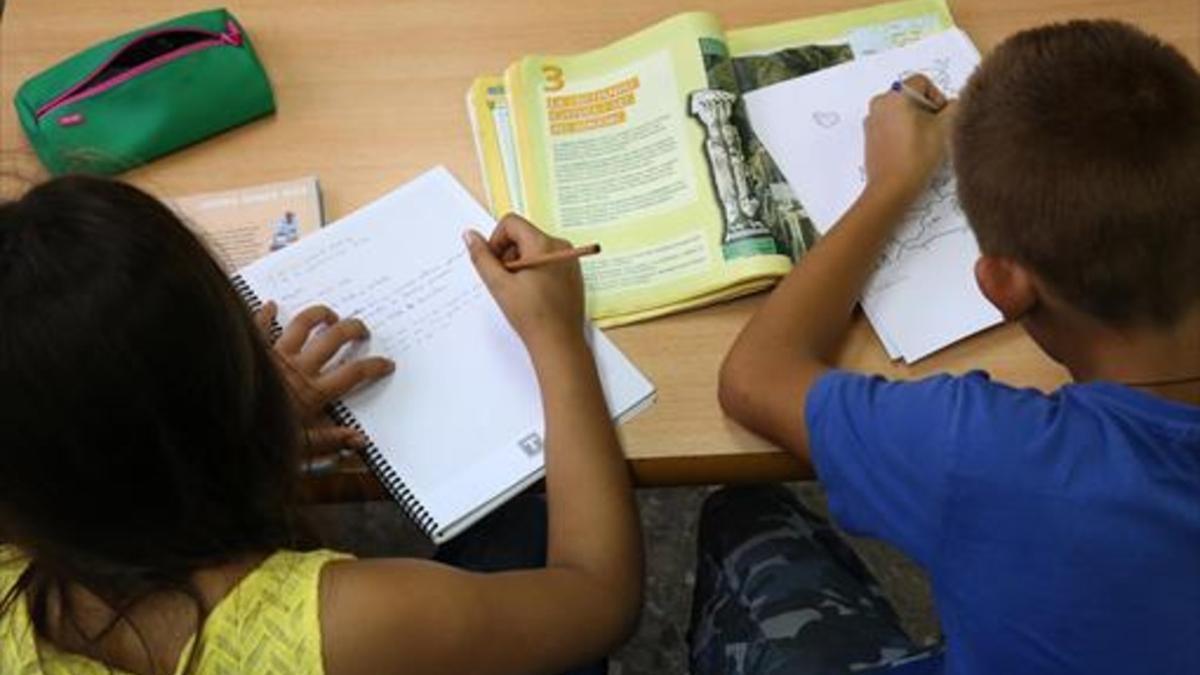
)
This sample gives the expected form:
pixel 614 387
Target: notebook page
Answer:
pixel 922 296
pixel 460 419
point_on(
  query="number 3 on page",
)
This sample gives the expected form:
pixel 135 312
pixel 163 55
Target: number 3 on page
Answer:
pixel 554 78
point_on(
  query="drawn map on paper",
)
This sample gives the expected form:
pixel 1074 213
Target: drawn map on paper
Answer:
pixel 936 215
pixel 922 296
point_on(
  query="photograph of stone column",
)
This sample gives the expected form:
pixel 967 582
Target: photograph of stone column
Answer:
pixel 775 205
pixel 733 141
pixel 722 146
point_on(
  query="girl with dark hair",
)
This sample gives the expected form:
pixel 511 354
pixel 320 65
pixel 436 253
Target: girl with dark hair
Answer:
pixel 150 446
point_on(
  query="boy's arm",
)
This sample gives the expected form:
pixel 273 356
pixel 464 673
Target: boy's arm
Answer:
pixel 791 340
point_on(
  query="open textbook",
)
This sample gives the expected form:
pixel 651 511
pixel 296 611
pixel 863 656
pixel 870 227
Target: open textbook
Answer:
pixel 922 296
pixel 457 429
pixel 645 146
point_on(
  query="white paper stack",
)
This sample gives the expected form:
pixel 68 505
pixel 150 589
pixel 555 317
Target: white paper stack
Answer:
pixel 922 296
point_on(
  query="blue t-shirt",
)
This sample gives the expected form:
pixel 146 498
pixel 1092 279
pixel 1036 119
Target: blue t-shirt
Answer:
pixel 1061 532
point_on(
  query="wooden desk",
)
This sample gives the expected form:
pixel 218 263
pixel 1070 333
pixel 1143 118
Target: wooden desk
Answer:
pixel 370 93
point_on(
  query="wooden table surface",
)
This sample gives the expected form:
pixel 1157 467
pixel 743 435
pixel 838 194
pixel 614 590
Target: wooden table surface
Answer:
pixel 371 92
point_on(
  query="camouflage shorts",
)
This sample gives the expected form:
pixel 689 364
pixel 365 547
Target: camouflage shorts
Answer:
pixel 778 591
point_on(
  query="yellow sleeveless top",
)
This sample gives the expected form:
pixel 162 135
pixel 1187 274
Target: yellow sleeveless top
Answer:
pixel 267 623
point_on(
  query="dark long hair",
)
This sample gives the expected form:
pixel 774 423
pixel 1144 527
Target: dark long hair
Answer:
pixel 144 430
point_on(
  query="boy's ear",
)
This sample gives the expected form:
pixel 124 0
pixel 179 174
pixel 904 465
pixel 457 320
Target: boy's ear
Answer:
pixel 1007 285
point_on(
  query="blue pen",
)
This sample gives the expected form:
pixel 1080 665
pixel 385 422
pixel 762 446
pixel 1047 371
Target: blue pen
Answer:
pixel 915 96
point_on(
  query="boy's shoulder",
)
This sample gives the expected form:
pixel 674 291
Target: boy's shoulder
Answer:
pixel 977 424
pixel 973 398
pixel 898 457
pixel 967 401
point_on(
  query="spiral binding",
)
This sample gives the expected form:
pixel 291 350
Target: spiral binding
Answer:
pixel 248 295
pixel 383 471
pixel 395 486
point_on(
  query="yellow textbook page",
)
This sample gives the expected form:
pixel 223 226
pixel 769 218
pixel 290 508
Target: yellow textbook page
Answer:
pixel 632 146
pixel 487 106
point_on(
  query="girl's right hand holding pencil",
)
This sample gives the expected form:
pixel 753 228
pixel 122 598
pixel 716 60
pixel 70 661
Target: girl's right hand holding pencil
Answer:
pixel 543 303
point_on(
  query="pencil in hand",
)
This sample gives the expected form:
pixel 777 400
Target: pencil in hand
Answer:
pixel 565 254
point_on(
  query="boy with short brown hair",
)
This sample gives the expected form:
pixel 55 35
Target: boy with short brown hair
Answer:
pixel 1077 151
pixel 1061 531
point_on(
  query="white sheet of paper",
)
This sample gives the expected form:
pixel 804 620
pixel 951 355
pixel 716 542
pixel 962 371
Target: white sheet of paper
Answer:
pixel 451 418
pixel 889 346
pixel 922 296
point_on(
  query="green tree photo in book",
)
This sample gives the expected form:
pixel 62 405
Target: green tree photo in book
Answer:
pixel 646 147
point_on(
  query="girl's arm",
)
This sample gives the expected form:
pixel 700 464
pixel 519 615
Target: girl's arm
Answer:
pixel 418 616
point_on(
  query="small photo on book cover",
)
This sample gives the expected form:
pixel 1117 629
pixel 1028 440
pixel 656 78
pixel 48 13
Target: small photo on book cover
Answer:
pixel 245 224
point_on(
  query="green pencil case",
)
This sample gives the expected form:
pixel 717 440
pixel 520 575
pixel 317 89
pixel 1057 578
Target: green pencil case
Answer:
pixel 126 101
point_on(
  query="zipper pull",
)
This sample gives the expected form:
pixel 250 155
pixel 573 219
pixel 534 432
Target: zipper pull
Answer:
pixel 232 35
pixel 72 120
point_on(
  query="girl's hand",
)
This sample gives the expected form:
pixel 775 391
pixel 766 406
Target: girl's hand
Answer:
pixel 544 304
pixel 303 357
pixel 905 143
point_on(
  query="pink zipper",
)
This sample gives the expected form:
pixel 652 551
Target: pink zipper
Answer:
pixel 232 36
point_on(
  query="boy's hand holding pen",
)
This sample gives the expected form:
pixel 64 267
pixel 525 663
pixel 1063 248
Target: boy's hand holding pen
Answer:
pixel 906 131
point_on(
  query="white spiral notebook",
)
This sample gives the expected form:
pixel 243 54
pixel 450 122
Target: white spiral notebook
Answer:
pixel 456 430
